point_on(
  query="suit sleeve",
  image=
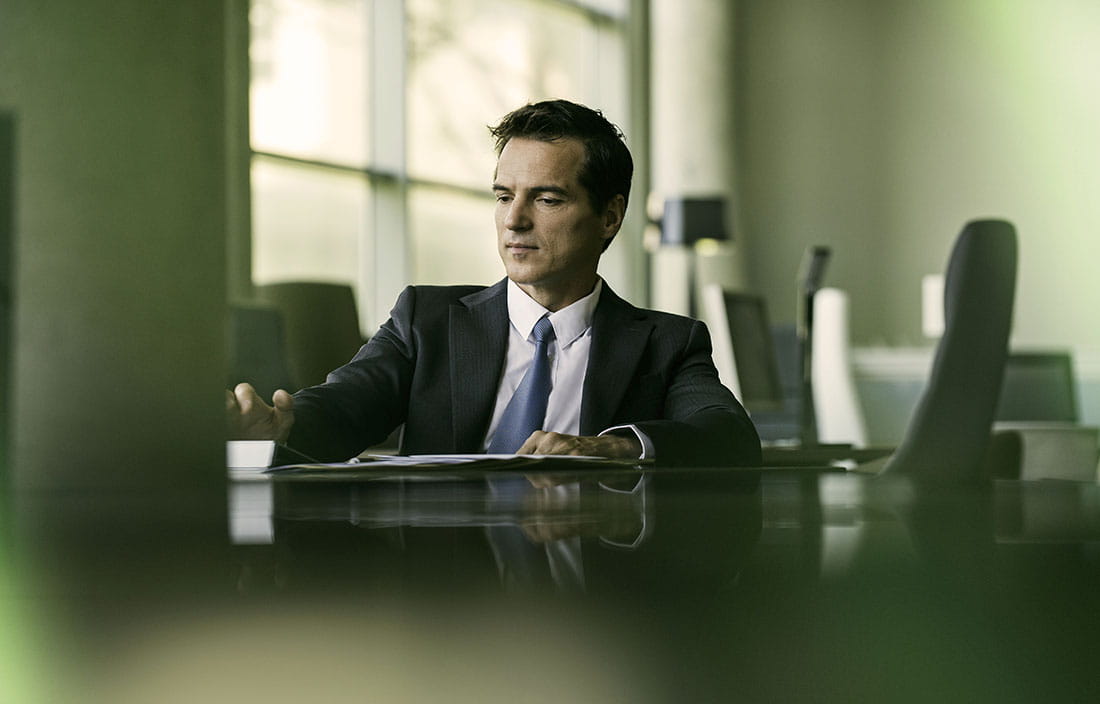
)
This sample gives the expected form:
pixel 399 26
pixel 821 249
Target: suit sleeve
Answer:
pixel 362 402
pixel 703 423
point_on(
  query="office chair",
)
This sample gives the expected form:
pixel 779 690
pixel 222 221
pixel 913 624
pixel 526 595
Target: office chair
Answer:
pixel 322 326
pixel 784 425
pixel 257 349
pixel 949 432
pixel 836 402
pixel 742 347
pixel 1036 427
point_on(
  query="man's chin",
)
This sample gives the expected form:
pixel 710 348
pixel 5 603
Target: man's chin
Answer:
pixel 522 274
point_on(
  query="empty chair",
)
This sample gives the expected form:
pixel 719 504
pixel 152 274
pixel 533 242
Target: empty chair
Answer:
pixel 322 326
pixel 950 428
pixel 743 351
pixel 784 426
pixel 1037 420
pixel 257 348
pixel 836 404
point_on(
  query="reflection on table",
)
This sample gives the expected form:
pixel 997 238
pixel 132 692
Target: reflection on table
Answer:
pixel 650 586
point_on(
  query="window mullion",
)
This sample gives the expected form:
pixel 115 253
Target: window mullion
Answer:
pixel 385 259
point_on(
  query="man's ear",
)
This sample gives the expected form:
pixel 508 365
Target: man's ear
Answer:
pixel 613 216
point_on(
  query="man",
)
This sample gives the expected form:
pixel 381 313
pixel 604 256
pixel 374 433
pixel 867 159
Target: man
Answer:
pixel 624 382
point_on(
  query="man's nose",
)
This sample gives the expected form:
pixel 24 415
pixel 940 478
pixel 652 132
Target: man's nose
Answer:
pixel 517 217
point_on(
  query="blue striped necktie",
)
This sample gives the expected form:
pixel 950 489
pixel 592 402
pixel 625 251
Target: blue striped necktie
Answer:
pixel 526 412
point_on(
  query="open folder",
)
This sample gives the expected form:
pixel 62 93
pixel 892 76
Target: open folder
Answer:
pixel 270 458
pixel 375 464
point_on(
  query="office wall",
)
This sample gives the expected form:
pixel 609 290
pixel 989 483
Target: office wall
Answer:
pixel 880 126
pixel 119 243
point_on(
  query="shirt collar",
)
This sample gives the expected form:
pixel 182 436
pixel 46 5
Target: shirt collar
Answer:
pixel 569 323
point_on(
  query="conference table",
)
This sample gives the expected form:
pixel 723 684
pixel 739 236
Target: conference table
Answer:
pixel 577 581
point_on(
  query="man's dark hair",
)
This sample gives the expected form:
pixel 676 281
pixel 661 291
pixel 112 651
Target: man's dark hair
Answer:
pixel 607 167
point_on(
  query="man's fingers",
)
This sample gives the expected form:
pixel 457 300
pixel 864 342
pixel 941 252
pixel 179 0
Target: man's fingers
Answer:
pixel 543 443
pixel 250 418
pixel 282 400
pixel 534 444
pixel 246 397
pixel 284 414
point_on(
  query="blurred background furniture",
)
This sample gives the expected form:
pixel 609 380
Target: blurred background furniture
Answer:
pixel 743 348
pixel 811 275
pixel 1039 386
pixel 782 426
pixel 257 349
pixel 1036 431
pixel 837 411
pixel 685 222
pixel 949 432
pixel 762 365
pixel 321 326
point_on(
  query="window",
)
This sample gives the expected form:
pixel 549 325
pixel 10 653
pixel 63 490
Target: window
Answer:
pixel 371 159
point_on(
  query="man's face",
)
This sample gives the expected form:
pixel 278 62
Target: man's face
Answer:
pixel 548 234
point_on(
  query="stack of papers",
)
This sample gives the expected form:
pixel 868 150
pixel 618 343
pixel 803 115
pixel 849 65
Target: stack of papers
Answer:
pixel 250 460
pixel 373 464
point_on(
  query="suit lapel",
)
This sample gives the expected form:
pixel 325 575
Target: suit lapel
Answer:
pixel 478 336
pixel 620 333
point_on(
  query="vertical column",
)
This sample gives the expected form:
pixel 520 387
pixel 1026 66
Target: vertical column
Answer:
pixel 387 265
pixel 693 137
pixel 116 480
pixel 120 247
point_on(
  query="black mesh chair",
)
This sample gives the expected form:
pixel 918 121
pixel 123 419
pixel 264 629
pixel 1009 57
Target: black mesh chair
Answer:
pixel 949 432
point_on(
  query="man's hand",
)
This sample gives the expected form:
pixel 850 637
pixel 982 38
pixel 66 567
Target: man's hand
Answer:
pixel 249 418
pixel 613 446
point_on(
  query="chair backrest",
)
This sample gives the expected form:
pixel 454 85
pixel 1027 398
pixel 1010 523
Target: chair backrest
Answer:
pixel 837 410
pixel 322 326
pixel 784 425
pixel 950 428
pixel 743 352
pixel 257 349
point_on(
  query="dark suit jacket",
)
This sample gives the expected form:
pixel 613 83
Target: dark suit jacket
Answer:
pixel 435 366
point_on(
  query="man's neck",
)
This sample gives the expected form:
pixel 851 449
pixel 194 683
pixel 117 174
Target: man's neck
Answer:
pixel 553 299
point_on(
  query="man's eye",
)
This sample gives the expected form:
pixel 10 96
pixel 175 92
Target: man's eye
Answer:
pixel 503 198
pixel 549 201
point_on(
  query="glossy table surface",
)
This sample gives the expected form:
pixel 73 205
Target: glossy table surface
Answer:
pixel 589 585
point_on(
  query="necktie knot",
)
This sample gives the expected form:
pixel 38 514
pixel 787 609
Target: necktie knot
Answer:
pixel 543 331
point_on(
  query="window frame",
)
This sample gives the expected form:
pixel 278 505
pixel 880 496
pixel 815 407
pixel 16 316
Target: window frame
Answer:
pixel 385 246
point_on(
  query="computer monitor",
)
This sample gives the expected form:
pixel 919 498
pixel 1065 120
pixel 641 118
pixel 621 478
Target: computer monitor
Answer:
pixel 1038 387
pixel 743 348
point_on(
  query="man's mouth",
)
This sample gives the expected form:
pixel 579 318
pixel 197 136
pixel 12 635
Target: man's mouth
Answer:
pixel 519 247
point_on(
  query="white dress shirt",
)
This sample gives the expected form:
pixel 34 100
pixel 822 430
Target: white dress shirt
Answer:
pixel 568 355
pixel 568 360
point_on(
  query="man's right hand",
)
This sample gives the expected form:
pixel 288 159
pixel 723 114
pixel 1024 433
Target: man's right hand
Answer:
pixel 249 418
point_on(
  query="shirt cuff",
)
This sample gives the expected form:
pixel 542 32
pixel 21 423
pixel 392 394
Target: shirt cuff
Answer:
pixel 647 445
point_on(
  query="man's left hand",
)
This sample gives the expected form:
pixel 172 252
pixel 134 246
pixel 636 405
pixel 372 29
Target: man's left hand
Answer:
pixel 613 446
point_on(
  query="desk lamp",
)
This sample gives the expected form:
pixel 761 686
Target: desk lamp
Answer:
pixel 687 221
